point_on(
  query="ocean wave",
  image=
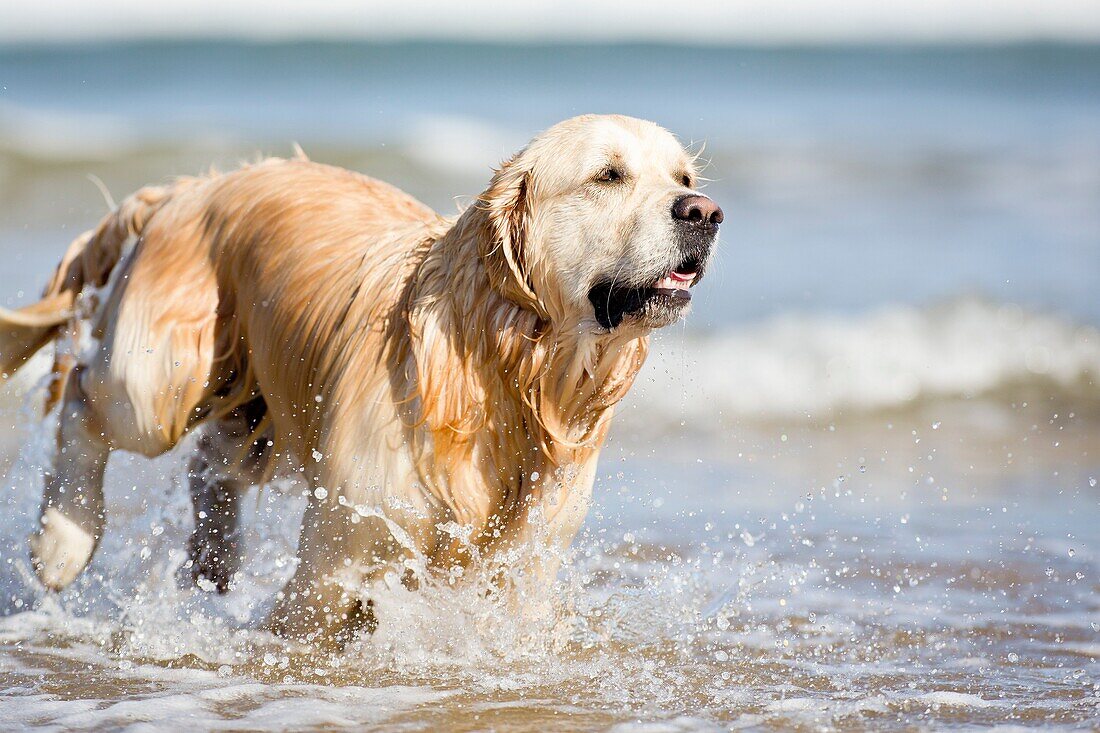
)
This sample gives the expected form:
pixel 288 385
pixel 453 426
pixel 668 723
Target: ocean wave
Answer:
pixel 36 142
pixel 41 136
pixel 800 366
pixel 814 365
pixel 459 144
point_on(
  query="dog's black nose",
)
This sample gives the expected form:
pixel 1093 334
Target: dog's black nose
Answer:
pixel 697 209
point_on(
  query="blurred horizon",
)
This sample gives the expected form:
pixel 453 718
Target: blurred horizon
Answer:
pixel 826 46
pixel 709 22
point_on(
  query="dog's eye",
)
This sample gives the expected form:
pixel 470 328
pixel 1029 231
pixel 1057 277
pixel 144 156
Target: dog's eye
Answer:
pixel 609 175
pixel 686 180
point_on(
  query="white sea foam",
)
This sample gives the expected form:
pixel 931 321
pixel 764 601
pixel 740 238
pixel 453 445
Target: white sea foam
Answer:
pixel 955 699
pixel 679 724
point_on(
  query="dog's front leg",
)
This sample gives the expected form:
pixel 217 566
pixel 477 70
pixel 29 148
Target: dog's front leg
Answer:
pixel 315 606
pixel 339 554
pixel 556 510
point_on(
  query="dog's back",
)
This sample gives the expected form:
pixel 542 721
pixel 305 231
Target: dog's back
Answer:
pixel 290 234
pixel 309 259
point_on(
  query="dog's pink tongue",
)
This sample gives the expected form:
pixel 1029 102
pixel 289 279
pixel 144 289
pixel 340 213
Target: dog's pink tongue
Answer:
pixel 676 281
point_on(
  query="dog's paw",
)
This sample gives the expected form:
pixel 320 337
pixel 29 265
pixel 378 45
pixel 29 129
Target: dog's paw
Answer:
pixel 60 549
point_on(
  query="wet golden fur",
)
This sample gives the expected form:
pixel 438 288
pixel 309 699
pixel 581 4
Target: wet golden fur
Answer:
pixel 419 370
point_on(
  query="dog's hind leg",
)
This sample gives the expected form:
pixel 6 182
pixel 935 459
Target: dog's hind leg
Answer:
pixel 232 456
pixel 154 374
pixel 72 514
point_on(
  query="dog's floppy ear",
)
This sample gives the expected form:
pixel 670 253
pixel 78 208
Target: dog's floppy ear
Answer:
pixel 507 204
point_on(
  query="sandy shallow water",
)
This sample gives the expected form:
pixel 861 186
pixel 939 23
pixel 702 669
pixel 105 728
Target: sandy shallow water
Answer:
pixel 926 583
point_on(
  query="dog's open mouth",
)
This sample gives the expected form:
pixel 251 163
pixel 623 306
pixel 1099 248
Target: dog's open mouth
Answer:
pixel 656 304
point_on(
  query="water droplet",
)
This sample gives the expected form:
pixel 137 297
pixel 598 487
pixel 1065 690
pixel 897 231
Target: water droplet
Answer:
pixel 1072 552
pixel 317 455
pixel 270 659
pixel 1013 657
pixel 320 492
pixel 1092 481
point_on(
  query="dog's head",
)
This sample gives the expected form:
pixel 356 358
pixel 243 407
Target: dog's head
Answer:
pixel 598 221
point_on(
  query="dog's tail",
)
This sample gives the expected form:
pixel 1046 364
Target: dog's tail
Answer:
pixel 89 260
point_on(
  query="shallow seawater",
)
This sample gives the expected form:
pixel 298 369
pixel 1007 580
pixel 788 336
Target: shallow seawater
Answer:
pixel 792 578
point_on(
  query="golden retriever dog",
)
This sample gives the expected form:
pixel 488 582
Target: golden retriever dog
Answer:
pixel 420 372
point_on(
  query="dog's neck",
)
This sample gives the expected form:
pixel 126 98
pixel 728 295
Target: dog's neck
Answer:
pixel 475 348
